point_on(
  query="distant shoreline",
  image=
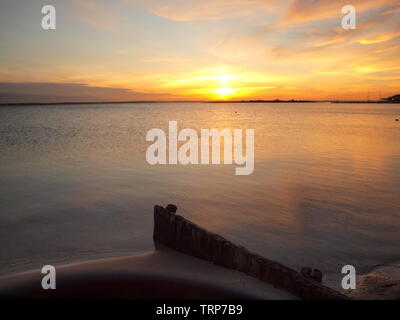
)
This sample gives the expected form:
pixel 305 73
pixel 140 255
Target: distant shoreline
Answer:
pixel 379 101
pixel 192 101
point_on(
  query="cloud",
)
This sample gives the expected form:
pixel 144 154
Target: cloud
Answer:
pixel 70 92
pixel 95 14
pixel 379 37
pixel 391 11
pixel 107 16
pixel 310 10
pixel 339 35
pixel 198 10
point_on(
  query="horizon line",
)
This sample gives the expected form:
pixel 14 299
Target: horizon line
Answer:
pixel 191 101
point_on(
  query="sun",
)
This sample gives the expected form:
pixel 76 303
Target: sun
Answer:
pixel 224 92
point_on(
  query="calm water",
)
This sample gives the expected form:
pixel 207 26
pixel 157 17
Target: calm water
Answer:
pixel 325 192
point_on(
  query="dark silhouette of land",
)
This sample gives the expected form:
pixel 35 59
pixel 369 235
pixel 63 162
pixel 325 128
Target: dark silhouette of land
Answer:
pixel 156 101
pixel 392 99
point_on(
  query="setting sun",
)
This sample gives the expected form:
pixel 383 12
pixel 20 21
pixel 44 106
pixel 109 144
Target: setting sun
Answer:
pixel 224 92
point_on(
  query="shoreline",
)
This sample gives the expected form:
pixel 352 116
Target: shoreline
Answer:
pixel 193 263
pixel 381 283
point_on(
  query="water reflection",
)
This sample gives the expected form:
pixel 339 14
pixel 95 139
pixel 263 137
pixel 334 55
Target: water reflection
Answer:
pixel 325 191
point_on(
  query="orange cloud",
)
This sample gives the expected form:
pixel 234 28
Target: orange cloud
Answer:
pixel 95 14
pixel 339 35
pixel 391 11
pixel 377 38
pixel 310 10
pixel 195 10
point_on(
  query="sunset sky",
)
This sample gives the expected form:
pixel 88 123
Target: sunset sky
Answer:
pixel 198 50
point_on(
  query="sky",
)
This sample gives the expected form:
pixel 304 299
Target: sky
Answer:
pixel 198 50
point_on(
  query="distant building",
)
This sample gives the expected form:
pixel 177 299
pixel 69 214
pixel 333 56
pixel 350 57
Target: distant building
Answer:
pixel 395 98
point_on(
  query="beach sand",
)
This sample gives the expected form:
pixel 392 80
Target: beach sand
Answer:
pixel 382 283
pixel 162 274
